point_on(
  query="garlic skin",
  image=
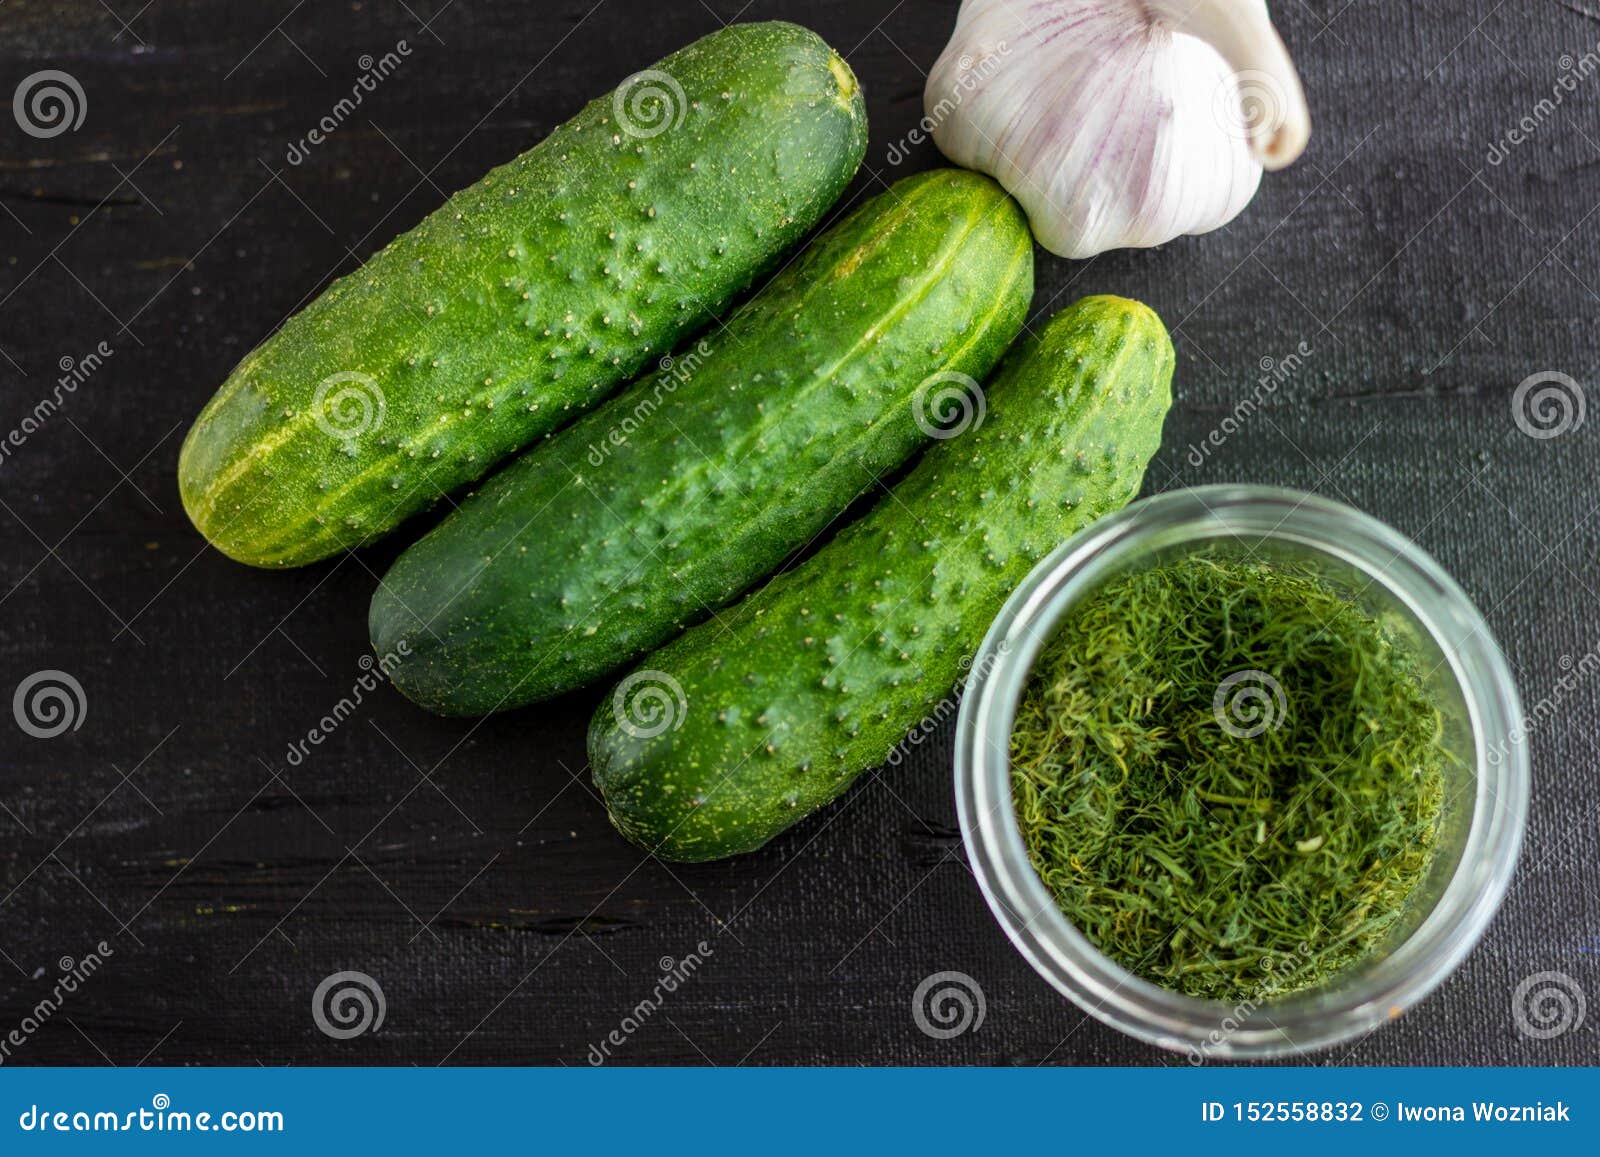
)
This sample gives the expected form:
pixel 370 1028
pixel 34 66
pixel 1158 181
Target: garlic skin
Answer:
pixel 1118 123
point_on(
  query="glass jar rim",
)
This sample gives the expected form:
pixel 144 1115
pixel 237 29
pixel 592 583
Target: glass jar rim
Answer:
pixel 1061 953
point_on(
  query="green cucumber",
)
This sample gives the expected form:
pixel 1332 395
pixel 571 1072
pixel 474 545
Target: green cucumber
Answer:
pixel 739 728
pixel 527 298
pixel 607 539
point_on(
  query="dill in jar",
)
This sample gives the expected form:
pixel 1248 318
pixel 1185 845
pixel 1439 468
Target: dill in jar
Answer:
pixel 1228 776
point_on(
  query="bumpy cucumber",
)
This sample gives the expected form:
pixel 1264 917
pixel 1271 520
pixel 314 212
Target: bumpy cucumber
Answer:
pixel 669 500
pixel 738 728
pixel 526 298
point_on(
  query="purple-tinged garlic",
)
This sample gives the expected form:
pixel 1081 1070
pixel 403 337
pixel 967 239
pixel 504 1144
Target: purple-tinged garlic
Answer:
pixel 1118 123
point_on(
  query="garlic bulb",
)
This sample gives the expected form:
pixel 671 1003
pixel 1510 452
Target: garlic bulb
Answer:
pixel 1118 123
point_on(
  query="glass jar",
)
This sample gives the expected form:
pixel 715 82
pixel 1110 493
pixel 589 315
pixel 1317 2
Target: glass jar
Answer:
pixel 1486 794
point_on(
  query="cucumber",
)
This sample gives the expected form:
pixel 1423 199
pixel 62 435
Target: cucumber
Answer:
pixel 527 298
pixel 606 540
pixel 738 728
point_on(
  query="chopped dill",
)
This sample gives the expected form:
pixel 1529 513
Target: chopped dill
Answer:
pixel 1229 776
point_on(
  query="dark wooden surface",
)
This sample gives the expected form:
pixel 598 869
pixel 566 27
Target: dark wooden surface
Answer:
pixel 468 867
